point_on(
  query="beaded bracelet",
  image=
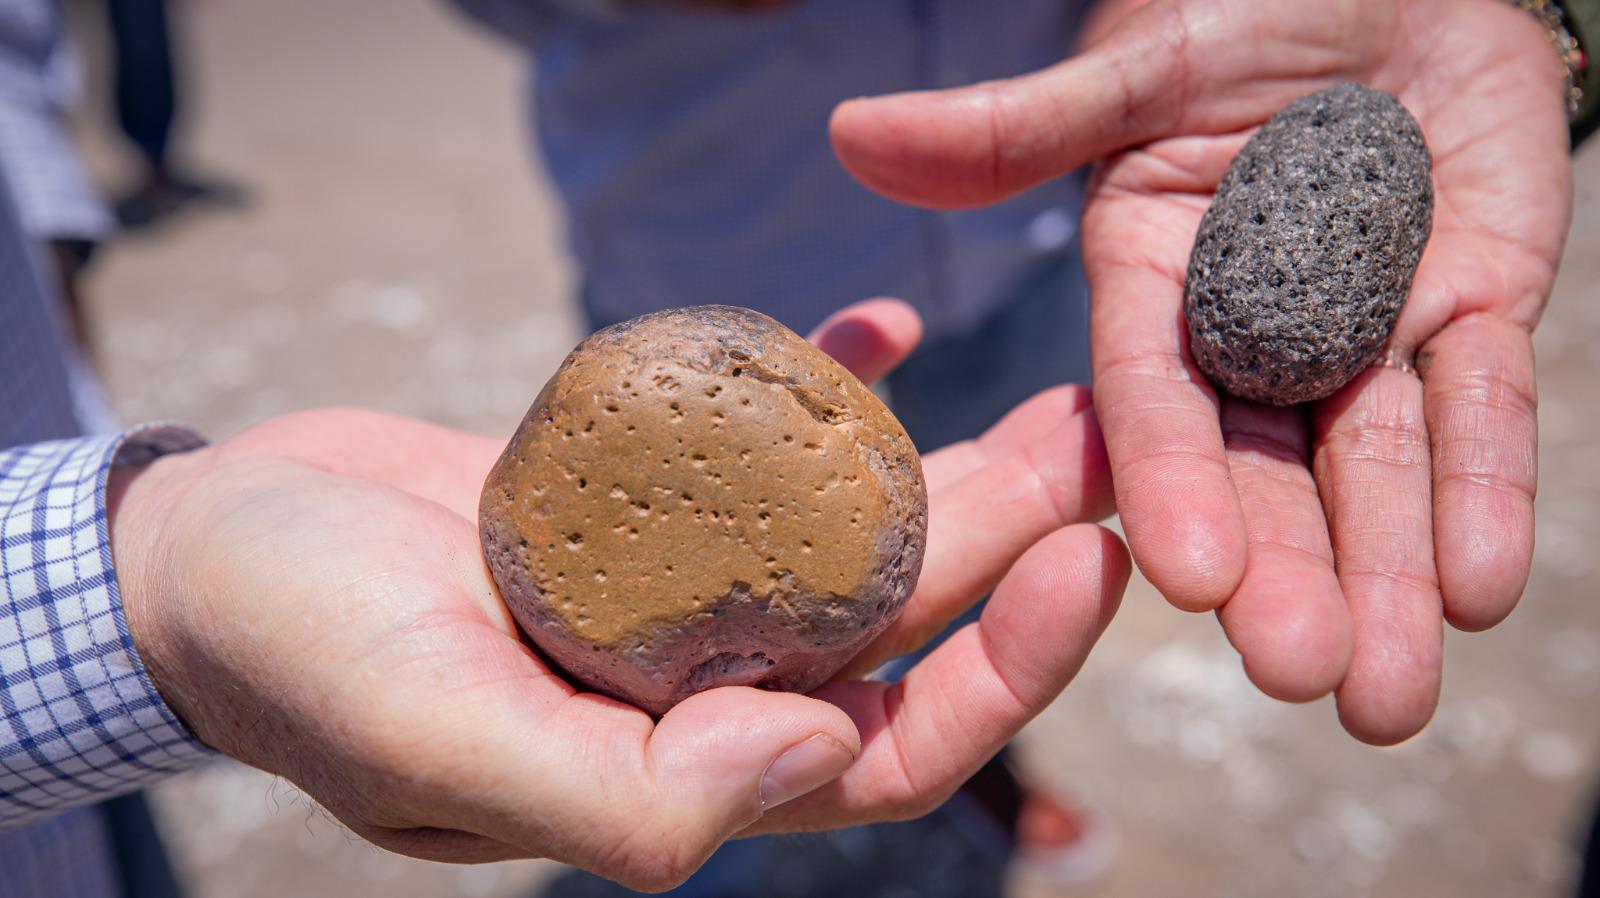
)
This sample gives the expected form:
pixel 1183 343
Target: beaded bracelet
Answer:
pixel 1574 62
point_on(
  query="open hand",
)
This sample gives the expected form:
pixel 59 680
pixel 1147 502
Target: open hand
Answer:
pixel 1333 539
pixel 310 597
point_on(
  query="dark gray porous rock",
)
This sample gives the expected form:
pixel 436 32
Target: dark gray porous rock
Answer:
pixel 1305 257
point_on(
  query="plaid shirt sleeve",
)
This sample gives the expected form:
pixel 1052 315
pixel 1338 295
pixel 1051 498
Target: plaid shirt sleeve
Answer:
pixel 80 721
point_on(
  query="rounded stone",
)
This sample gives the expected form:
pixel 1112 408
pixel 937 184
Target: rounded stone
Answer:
pixel 1305 258
pixel 701 498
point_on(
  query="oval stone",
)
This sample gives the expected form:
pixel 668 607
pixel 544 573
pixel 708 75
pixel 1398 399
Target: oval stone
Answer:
pixel 701 498
pixel 1305 258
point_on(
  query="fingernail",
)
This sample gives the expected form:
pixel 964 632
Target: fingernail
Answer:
pixel 810 765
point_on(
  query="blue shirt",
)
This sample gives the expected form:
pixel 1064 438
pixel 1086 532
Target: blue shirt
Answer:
pixel 79 719
pixel 691 150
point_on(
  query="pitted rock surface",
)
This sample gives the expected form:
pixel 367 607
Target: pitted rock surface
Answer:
pixel 1305 258
pixel 701 498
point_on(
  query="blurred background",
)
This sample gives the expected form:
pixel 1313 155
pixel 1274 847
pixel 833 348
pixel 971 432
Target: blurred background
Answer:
pixel 386 241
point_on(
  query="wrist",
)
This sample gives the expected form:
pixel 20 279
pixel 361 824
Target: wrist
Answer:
pixel 88 723
pixel 141 525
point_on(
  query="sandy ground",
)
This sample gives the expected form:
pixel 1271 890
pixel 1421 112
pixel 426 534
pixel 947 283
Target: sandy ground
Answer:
pixel 401 252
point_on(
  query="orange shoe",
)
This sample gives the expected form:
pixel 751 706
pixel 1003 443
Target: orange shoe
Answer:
pixel 1061 845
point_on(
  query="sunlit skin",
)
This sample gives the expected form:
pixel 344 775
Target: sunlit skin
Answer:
pixel 1333 540
pixel 310 598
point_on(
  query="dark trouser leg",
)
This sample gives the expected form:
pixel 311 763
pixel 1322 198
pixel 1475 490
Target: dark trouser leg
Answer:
pixel 140 856
pixel 955 389
pixel 71 257
pixel 146 88
pixel 1589 881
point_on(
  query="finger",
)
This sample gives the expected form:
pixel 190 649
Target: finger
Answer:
pixel 1166 69
pixel 924 736
pixel 1288 618
pixel 595 783
pixel 1034 420
pixel 1481 413
pixel 1371 461
pixel 871 337
pixel 980 144
pixel 1173 485
pixel 713 765
pixel 979 526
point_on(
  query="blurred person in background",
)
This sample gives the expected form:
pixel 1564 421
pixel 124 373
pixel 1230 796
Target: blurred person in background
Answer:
pixel 689 141
pixel 63 216
pixel 60 207
pixel 147 86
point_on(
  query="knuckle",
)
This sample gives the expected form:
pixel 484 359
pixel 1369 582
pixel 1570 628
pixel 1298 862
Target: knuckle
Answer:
pixel 666 865
pixel 1134 368
pixel 1380 439
pixel 1494 386
pixel 1404 580
pixel 1521 484
pixel 655 858
pixel 919 803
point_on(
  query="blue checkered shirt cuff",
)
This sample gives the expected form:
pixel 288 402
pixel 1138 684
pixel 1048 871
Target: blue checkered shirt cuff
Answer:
pixel 79 719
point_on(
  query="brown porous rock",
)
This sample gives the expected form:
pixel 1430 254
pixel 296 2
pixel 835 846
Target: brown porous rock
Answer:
pixel 701 498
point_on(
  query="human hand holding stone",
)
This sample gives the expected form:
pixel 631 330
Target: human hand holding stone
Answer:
pixel 1332 539
pixel 310 597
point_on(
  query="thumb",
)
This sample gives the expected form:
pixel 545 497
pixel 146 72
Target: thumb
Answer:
pixel 980 144
pixel 735 753
pixel 711 767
